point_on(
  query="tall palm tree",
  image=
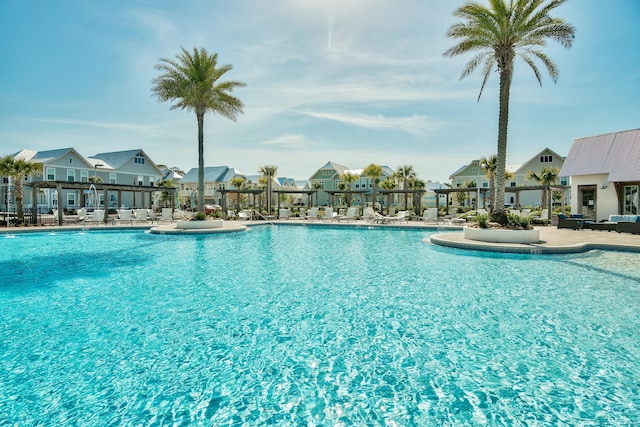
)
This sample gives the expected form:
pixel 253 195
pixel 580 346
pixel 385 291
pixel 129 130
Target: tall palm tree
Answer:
pixel 191 81
pixel 547 176
pixel 374 172
pixel 167 195
pixel 497 35
pixel 405 173
pixel 268 171
pixel 18 169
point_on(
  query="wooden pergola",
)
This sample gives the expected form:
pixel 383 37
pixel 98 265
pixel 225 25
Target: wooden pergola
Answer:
pixel 224 192
pixel 309 194
pixel 105 188
pixel 516 190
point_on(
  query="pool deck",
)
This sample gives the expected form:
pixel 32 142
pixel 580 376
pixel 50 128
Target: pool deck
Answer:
pixel 552 240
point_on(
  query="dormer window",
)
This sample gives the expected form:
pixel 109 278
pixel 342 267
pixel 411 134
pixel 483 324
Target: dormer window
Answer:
pixel 139 159
pixel 70 160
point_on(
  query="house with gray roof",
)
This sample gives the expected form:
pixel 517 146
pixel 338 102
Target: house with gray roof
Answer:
pixel 215 178
pixel 604 173
pixel 67 165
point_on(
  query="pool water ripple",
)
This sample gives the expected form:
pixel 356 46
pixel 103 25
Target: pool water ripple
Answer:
pixel 302 326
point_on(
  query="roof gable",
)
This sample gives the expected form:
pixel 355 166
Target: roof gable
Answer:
pixel 616 154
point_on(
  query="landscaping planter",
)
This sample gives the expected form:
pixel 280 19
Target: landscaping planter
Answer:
pixel 199 225
pixel 492 235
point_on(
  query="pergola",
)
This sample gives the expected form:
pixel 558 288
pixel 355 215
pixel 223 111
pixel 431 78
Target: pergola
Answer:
pixel 516 190
pixel 309 194
pixel 254 191
pixel 412 192
pixel 99 186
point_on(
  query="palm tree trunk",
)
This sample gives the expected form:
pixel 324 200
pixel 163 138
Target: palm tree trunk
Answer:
pixel 501 158
pixel 19 195
pixel 200 117
pixel 492 191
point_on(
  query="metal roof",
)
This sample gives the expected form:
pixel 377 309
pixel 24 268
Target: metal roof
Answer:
pixel 616 154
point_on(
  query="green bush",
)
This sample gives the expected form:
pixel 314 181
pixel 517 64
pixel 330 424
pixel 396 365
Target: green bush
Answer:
pixel 199 216
pixel 483 220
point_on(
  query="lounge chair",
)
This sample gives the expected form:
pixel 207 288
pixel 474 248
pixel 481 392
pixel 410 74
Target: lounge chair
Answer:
pixel 66 219
pixel 349 216
pixel 312 214
pixel 141 215
pixel 526 213
pixel 244 215
pixel 430 215
pixel 124 215
pixel 97 216
pixel 166 215
pixel 378 218
pixel 152 216
pixel 401 217
pixel 574 222
pixel 328 214
pixel 284 214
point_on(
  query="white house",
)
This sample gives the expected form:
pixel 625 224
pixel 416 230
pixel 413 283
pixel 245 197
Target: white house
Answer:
pixel 604 173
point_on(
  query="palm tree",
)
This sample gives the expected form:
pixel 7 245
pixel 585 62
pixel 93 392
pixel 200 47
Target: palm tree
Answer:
pixel 18 169
pixel 405 173
pixel 497 35
pixel 192 82
pixel 489 164
pixel 238 182
pixel 349 178
pixel 374 172
pixel 547 176
pixel 388 184
pixel 417 184
pixel 166 195
pixel 268 171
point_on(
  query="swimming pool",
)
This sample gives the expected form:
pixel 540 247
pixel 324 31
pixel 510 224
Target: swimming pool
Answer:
pixel 285 325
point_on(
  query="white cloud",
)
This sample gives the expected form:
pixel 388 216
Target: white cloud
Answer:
pixel 414 124
pixel 288 141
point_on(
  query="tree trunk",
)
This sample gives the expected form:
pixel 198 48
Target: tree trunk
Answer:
pixel 200 117
pixel 501 159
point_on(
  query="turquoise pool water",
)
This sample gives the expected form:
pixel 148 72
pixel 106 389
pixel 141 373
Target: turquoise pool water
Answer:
pixel 312 326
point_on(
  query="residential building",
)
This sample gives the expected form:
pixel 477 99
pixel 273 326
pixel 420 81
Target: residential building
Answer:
pixel 68 168
pixel 471 173
pixel 604 173
pixel 215 178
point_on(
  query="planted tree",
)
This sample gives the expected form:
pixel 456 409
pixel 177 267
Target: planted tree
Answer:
pixel 497 35
pixel 18 170
pixel 268 172
pixel 374 172
pixel 547 176
pixel 193 82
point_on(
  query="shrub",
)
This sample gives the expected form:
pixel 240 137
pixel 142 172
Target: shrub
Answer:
pixel 199 216
pixel 483 220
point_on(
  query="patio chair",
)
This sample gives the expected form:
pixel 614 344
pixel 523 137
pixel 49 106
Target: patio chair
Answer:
pixel 284 214
pixel 571 223
pixel 124 215
pixel 349 216
pixel 141 215
pixel 166 214
pixel 97 216
pixel 312 214
pixel 328 214
pixel 430 215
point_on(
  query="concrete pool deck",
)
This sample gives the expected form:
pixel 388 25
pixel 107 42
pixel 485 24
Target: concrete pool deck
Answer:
pixel 552 240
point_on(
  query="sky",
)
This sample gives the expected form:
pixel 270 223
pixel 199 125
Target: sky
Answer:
pixel 349 81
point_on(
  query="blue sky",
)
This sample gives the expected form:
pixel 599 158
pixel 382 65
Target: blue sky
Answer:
pixel 349 81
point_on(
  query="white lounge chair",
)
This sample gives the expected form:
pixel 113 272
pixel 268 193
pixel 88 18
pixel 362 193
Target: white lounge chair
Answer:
pixel 312 215
pixel 166 215
pixel 378 218
pixel 124 215
pixel 430 216
pixel 401 217
pixel 284 214
pixel 526 213
pixel 244 215
pixel 328 214
pixel 97 216
pixel 141 215
pixel 349 216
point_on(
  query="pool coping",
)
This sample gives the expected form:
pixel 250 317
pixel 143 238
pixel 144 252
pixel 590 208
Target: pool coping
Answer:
pixel 552 240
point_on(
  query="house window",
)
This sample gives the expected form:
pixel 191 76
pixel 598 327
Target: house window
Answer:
pixel 71 199
pixel 546 159
pixel 70 160
pixel 220 186
pixel 140 180
pixel 151 181
pixel 112 178
pixel 139 159
pixel 513 183
pixel 51 174
pixel 71 175
pixel 563 181
pixel 630 200
pixel 84 176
